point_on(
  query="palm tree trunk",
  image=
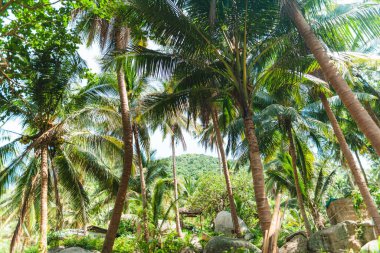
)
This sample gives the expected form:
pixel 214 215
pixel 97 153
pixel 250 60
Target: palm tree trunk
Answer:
pixel 219 160
pixel 292 152
pixel 371 113
pixel 359 180
pixel 220 147
pixel 58 203
pixel 318 220
pixel 361 167
pixel 44 199
pixel 358 113
pixel 270 246
pixel 84 217
pixel 127 165
pixel 143 187
pixel 177 221
pixel 25 204
pixel 257 170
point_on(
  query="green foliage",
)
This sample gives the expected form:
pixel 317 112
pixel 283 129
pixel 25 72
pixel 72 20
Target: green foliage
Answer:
pixel 172 243
pixel 126 226
pixel 33 249
pixel 211 196
pixel 83 242
pixel 194 165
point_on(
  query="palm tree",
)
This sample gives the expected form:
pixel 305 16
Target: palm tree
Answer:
pixel 171 125
pixel 40 109
pixel 198 103
pixel 356 110
pixel 359 179
pixel 287 115
pixel 224 58
pixel 115 35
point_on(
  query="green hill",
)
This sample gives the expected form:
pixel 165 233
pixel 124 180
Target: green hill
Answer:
pixel 194 165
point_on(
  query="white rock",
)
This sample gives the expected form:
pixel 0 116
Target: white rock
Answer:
pixel 223 224
pixel 371 247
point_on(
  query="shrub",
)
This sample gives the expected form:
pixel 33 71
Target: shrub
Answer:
pixel 83 242
pixel 126 227
pixel 32 249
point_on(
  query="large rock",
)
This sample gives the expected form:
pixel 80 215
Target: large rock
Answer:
pixel 166 226
pixel 75 250
pixel 223 224
pixel 56 250
pixel 371 247
pixel 342 237
pixel 296 243
pixel 221 244
pixel 196 243
pixel 339 210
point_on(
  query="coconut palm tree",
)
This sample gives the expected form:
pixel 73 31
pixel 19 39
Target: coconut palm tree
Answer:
pixel 102 100
pixel 198 103
pixel 40 108
pixel 113 35
pixel 226 59
pixel 362 118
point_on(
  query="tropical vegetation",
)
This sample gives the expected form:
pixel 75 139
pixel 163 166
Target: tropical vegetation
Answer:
pixel 284 95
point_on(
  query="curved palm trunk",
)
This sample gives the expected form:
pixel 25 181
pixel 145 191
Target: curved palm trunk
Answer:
pixel 360 182
pixel 24 208
pixel 44 199
pixel 257 170
pixel 127 165
pixel 58 203
pixel 292 152
pixel 356 110
pixel 143 187
pixel 226 173
pixel 177 221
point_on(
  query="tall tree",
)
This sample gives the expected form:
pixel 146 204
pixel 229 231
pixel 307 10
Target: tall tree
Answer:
pixel 355 170
pixel 356 110
pixel 113 35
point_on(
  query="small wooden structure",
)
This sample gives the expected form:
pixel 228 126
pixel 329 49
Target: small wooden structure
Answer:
pixel 97 229
pixel 184 212
pixel 339 210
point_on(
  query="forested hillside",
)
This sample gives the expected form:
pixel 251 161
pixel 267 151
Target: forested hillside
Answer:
pixel 194 165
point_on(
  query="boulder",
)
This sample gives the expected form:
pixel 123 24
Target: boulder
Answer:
pixel 187 250
pixel 223 224
pixel 221 244
pixel 75 250
pixel 371 247
pixel 196 243
pixel 56 250
pixel 166 226
pixel 339 210
pixel 296 243
pixel 342 237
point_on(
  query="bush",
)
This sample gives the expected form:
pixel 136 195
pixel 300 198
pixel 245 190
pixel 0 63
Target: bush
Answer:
pixel 173 243
pixel 33 249
pixel 124 245
pixel 126 227
pixel 89 243
pixel 53 239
